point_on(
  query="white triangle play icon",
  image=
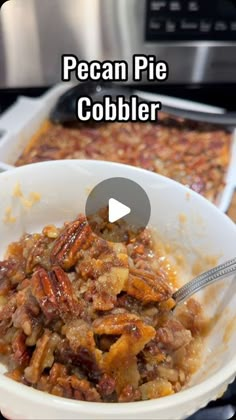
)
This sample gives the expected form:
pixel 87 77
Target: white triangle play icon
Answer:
pixel 117 210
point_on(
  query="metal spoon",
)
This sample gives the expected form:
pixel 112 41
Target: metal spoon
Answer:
pixel 205 279
pixel 65 108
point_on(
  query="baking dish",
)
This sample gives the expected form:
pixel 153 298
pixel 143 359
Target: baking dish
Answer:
pixel 20 122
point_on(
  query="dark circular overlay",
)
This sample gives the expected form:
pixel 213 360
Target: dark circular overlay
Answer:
pixel 126 192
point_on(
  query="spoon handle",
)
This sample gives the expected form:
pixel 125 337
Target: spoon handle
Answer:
pixel 205 279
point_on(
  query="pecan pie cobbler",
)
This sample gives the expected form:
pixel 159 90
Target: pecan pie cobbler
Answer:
pixel 89 319
pixel 194 154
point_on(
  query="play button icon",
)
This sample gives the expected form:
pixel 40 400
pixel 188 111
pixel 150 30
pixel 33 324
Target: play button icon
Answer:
pixel 118 208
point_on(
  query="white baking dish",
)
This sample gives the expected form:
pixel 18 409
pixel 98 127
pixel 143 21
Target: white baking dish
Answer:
pixel 21 121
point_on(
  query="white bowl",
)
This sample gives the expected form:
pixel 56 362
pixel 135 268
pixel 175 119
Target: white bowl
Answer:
pixel 182 218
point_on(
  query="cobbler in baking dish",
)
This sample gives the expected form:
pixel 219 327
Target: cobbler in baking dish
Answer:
pixel 195 154
pixel 88 319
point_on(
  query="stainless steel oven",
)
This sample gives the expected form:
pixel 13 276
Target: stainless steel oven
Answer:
pixel 196 37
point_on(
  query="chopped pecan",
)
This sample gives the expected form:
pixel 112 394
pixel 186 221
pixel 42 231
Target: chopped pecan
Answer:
pixel 6 315
pixel 79 333
pixel 27 314
pixel 49 383
pixel 21 352
pixel 75 236
pixel 108 286
pixel 147 287
pixel 5 286
pixel 107 385
pixel 11 273
pixel 59 383
pixel 4 348
pixel 16 374
pixel 191 317
pixel 57 371
pixel 92 265
pixel 5 267
pixel 172 375
pixel 79 389
pixel 129 394
pixel 31 325
pixel 22 319
pixel 43 356
pixel 109 270
pixel 51 231
pixel 173 335
pixel 43 384
pixel 24 284
pixel 54 293
pixel 39 254
pixel 5 283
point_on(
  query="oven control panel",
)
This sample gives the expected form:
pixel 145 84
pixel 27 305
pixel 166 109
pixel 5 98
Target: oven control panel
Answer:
pixel 190 20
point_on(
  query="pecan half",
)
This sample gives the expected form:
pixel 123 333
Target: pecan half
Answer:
pixel 147 287
pixel 53 291
pixel 75 236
